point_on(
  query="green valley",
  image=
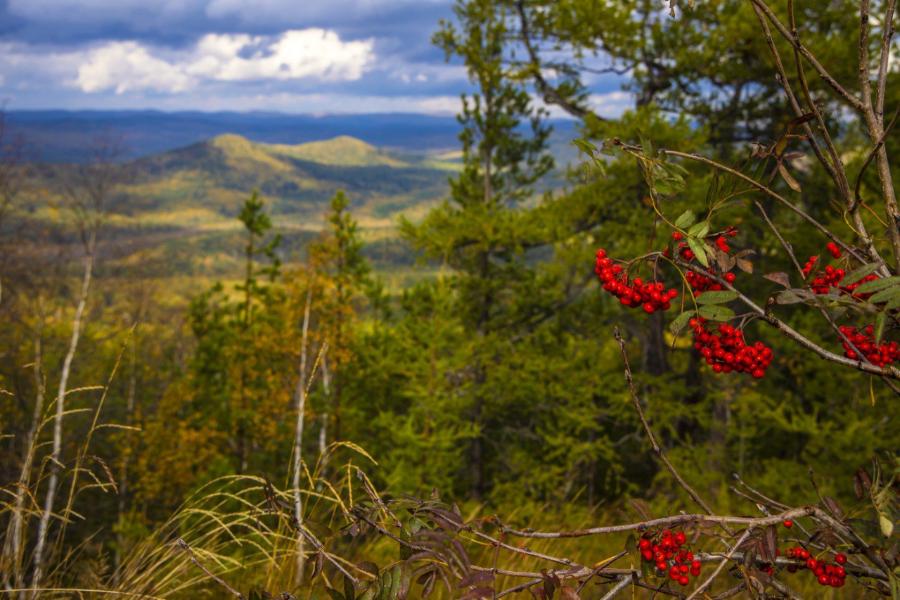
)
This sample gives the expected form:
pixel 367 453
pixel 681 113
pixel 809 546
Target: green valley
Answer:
pixel 174 212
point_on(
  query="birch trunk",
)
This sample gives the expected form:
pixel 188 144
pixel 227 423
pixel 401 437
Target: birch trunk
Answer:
pixel 12 550
pixel 300 402
pixel 53 483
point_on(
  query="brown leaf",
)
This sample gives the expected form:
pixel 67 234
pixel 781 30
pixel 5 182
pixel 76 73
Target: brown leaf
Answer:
pixel 861 483
pixel 780 278
pixel 569 593
pixel 317 565
pixel 724 260
pixel 788 178
pixel 744 265
pixel 833 507
pixel 771 544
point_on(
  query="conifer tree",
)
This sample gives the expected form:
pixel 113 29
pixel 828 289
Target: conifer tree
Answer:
pixel 482 230
pixel 236 362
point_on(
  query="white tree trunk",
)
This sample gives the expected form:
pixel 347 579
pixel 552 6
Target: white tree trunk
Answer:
pixel 55 455
pixel 323 429
pixel 300 403
pixel 12 549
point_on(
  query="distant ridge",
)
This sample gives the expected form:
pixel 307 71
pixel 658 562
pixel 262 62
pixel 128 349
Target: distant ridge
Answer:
pixel 57 136
pixel 61 136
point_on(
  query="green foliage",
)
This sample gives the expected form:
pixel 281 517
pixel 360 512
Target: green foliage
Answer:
pixel 496 383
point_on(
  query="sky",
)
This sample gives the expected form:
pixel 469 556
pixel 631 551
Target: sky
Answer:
pixel 294 56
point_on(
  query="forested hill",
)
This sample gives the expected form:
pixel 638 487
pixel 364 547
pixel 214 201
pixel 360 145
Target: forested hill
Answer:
pixel 211 178
pixel 175 211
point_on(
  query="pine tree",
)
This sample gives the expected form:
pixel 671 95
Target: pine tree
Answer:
pixel 482 231
pixel 235 370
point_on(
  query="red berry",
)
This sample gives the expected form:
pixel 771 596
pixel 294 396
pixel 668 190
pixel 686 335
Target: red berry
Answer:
pixel 730 277
pixel 833 249
pixel 677 236
pixel 840 558
pixel 788 523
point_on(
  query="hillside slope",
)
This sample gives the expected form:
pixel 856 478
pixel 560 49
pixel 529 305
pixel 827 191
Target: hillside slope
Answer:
pixel 176 211
pixel 297 180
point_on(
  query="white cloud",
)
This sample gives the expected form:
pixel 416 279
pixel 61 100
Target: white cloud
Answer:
pixel 128 66
pixel 611 104
pixel 294 54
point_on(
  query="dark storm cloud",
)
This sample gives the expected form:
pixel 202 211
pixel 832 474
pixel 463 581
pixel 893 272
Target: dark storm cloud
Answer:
pixel 180 22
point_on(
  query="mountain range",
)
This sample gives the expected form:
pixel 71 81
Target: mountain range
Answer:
pixel 61 136
pixel 175 211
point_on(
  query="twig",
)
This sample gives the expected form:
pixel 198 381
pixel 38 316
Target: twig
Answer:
pixel 772 194
pixel 819 302
pixel 804 51
pixel 883 64
pixel 721 566
pixel 656 447
pixel 621 585
pixel 184 546
pixel 859 570
pixel 683 519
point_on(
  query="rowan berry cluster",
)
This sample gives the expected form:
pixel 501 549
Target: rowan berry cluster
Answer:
pixel 832 276
pixel 650 295
pixel 670 555
pixel 701 283
pixel 828 574
pixel 879 355
pixel 726 350
pixel 823 282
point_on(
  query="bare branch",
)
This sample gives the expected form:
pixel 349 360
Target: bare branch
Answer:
pixel 656 447
pixel 804 51
pixel 721 566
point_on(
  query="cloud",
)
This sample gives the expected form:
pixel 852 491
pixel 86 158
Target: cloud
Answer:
pixel 611 104
pixel 128 66
pixel 294 54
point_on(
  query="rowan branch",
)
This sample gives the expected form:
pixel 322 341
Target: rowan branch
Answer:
pixel 787 330
pixel 810 58
pixel 721 566
pixel 652 438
